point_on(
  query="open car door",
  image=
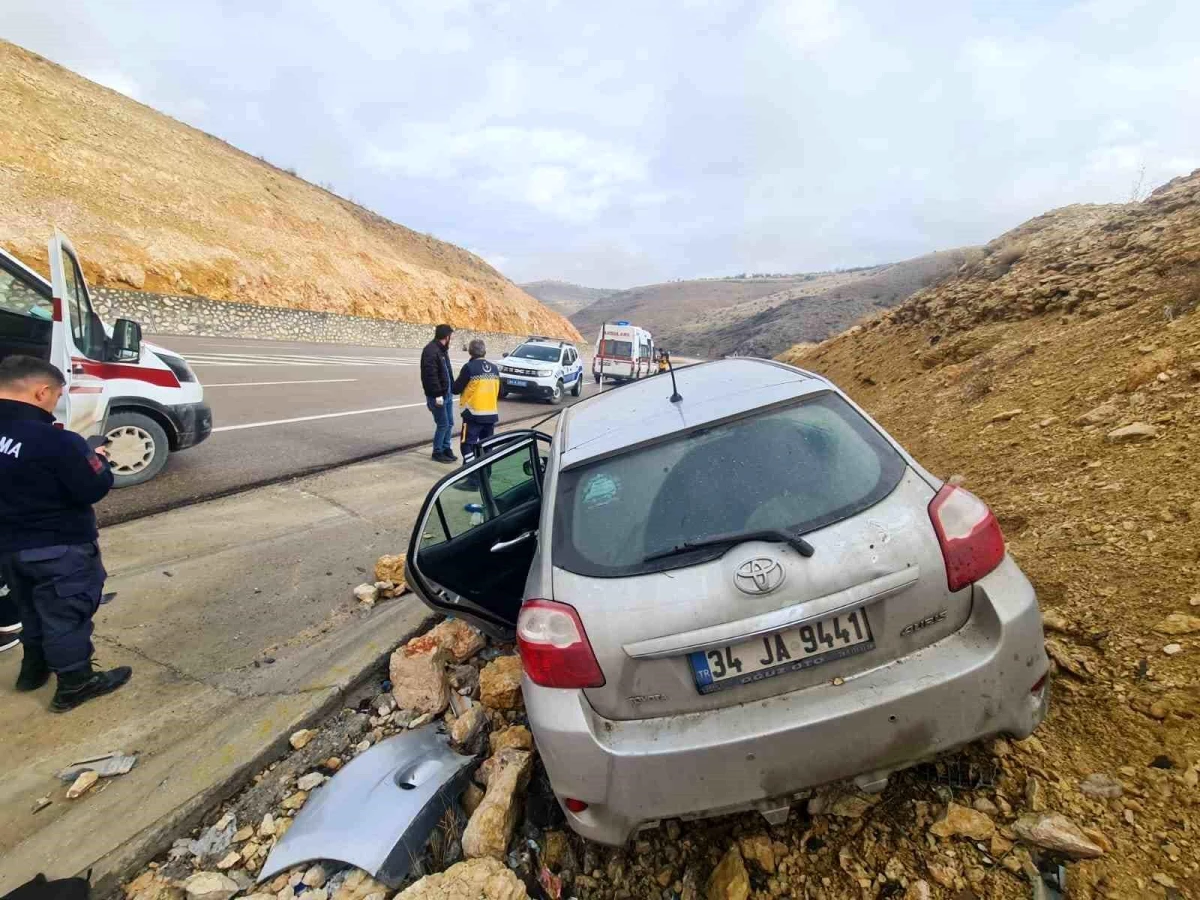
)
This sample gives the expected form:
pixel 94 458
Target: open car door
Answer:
pixel 77 339
pixel 476 534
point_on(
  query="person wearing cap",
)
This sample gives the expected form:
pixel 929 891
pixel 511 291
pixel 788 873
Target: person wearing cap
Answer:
pixel 478 384
pixel 436 380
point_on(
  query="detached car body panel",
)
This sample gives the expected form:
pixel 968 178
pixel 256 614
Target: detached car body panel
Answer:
pixel 724 601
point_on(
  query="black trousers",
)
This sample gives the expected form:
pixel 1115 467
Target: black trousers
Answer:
pixel 473 434
pixel 57 592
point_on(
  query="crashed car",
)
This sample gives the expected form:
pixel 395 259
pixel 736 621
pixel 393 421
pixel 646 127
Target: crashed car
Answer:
pixel 723 601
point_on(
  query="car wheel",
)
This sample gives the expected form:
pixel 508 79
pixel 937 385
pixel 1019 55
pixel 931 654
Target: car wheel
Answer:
pixel 577 387
pixel 557 396
pixel 503 394
pixel 139 448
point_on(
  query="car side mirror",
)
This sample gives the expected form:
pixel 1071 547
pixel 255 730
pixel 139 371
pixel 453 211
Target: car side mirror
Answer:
pixel 126 342
pixel 527 468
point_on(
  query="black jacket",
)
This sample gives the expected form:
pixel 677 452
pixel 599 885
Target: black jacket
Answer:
pixel 435 370
pixel 49 479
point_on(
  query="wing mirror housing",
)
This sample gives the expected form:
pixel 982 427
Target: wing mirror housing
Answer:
pixel 126 342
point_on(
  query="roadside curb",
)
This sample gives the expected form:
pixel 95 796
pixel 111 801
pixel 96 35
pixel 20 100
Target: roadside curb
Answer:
pixel 135 853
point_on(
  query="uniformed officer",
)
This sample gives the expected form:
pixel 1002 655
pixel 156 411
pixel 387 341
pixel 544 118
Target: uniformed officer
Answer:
pixel 478 385
pixel 49 479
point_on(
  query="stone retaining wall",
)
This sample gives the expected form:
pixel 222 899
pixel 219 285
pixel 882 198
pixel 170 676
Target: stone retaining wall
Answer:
pixel 199 316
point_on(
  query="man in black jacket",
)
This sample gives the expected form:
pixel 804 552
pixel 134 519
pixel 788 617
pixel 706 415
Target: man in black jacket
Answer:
pixel 49 556
pixel 436 381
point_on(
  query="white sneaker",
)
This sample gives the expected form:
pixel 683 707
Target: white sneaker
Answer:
pixel 10 636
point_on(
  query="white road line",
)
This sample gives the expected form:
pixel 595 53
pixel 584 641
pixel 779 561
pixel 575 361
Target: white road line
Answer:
pixel 269 383
pixel 352 412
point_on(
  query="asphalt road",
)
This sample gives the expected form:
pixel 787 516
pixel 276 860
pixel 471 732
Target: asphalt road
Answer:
pixel 283 409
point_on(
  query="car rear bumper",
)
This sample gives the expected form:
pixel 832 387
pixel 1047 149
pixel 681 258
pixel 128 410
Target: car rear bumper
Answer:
pixel 193 423
pixel 972 684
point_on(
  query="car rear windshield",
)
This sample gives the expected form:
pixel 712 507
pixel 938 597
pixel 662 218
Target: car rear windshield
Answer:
pixel 533 351
pixel 799 468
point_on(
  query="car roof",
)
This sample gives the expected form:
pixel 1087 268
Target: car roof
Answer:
pixel 641 411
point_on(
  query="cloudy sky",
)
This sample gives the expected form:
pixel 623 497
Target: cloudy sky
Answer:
pixel 619 143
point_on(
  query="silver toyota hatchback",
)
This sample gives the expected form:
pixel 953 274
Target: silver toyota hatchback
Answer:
pixel 722 601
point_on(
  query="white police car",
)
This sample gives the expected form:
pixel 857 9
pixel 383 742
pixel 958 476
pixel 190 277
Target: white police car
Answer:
pixel 542 367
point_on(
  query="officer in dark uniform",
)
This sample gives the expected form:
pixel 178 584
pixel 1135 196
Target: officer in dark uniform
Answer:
pixel 49 479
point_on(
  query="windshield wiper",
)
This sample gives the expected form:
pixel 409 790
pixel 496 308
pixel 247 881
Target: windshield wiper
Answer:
pixel 774 535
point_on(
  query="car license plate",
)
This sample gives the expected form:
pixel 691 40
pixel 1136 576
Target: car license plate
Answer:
pixel 810 644
pixel 515 382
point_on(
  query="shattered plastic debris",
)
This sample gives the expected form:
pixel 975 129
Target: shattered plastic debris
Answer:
pixel 106 765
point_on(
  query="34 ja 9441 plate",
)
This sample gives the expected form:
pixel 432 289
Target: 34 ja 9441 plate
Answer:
pixel 810 644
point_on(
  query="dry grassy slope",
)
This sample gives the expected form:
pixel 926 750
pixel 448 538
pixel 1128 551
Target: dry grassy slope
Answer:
pixel 1081 307
pixel 154 204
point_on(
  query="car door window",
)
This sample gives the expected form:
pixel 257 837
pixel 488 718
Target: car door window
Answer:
pixel 479 497
pixel 79 308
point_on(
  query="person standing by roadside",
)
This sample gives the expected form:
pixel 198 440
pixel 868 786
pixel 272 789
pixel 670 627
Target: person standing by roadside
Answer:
pixel 49 555
pixel 436 380
pixel 479 384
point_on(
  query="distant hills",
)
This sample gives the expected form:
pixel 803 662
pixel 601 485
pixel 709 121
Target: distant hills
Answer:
pixel 563 296
pixel 759 315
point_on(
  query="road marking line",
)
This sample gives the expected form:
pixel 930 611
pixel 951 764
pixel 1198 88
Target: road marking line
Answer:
pixel 352 412
pixel 268 383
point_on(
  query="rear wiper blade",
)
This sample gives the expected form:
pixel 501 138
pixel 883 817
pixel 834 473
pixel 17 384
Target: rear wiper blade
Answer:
pixel 774 535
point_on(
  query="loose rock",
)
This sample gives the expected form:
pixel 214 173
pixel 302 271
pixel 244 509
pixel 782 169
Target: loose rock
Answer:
pixel 472 879
pixel 84 783
pixel 367 594
pixel 359 885
pixel 310 781
pixel 962 821
pixel 759 849
pixel 729 880
pixel 419 680
pixel 515 736
pixel 150 885
pixel 1055 832
pixel 491 825
pixel 300 739
pixel 1138 431
pixel 1178 623
pixel 391 568
pixel 1101 786
pixel 500 683
pixel 458 639
pixel 468 725
pixel 210 886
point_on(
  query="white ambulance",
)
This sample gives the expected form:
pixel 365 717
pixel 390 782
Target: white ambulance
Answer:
pixel 624 352
pixel 145 398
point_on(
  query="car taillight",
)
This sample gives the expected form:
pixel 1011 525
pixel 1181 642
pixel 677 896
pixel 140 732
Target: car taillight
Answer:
pixel 575 806
pixel 554 648
pixel 972 544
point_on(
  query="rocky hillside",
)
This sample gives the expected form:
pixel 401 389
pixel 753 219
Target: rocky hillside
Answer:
pixel 155 205
pixel 563 296
pixel 1059 375
pixel 762 315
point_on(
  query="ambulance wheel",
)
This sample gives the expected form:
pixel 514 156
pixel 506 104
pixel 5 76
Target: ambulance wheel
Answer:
pixel 597 377
pixel 139 448
pixel 577 387
pixel 557 396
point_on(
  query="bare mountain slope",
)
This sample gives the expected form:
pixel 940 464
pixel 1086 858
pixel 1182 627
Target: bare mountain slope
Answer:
pixel 1060 375
pixel 154 204
pixel 760 316
pixel 563 296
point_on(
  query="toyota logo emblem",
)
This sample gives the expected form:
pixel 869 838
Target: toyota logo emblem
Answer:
pixel 760 575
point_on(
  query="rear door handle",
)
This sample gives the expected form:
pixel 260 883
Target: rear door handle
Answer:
pixel 504 545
